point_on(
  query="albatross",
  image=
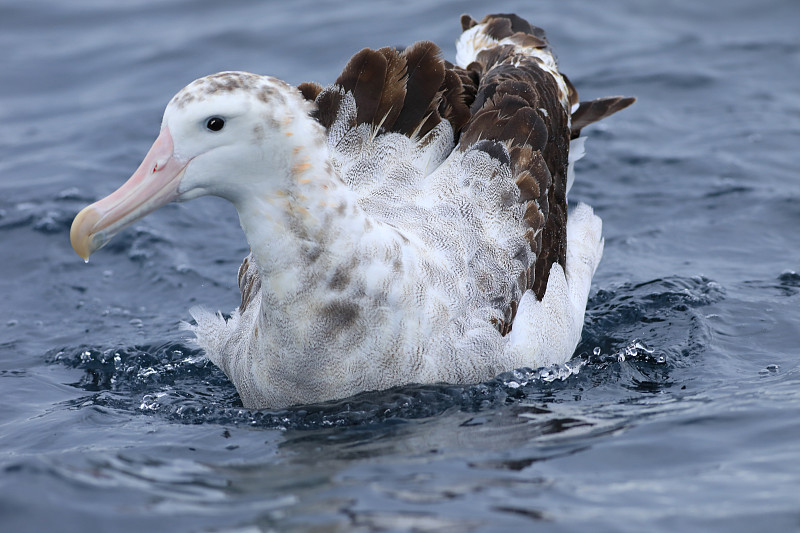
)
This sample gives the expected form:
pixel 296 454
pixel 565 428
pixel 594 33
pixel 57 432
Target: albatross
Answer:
pixel 407 223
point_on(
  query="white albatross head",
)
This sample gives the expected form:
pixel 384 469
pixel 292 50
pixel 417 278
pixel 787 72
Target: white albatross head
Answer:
pixel 226 135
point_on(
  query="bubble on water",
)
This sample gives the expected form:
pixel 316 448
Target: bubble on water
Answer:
pixel 150 401
pixel 769 369
pixel 146 372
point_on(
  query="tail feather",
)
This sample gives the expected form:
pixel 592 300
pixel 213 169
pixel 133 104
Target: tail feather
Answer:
pixel 594 110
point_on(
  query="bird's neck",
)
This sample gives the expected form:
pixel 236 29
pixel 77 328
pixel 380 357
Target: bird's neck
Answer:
pixel 303 222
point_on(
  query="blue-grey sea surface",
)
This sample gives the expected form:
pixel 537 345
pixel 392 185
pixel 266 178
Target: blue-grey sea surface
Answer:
pixel 679 412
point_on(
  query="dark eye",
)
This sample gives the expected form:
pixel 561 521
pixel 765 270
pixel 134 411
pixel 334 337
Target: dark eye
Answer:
pixel 215 123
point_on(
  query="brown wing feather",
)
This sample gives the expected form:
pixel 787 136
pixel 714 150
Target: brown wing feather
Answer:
pixel 467 22
pixel 310 90
pixel 394 89
pixel 364 76
pixel 453 105
pixel 502 25
pixel 425 69
pixel 408 92
pixel 328 103
pixel 598 109
pixel 517 102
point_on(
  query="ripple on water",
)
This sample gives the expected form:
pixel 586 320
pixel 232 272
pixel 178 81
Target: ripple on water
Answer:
pixel 662 313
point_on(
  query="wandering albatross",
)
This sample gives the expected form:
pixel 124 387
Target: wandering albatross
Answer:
pixel 407 224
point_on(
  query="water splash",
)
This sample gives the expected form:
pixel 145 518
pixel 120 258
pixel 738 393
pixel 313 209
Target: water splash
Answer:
pixel 636 350
pixel 178 383
pixel 524 377
pixel 634 336
pixel 661 313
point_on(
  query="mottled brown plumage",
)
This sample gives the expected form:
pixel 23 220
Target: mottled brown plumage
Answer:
pixel 518 103
pixel 310 90
pixel 249 281
pixel 328 103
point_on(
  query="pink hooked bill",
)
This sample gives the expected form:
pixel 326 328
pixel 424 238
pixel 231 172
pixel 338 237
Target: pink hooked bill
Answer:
pixel 154 184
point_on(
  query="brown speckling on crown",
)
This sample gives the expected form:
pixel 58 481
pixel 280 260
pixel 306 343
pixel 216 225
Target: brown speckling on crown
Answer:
pixel 266 89
pixel 182 98
pixel 226 82
pixel 267 94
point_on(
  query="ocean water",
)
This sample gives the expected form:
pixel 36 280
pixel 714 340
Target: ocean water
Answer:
pixel 679 412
